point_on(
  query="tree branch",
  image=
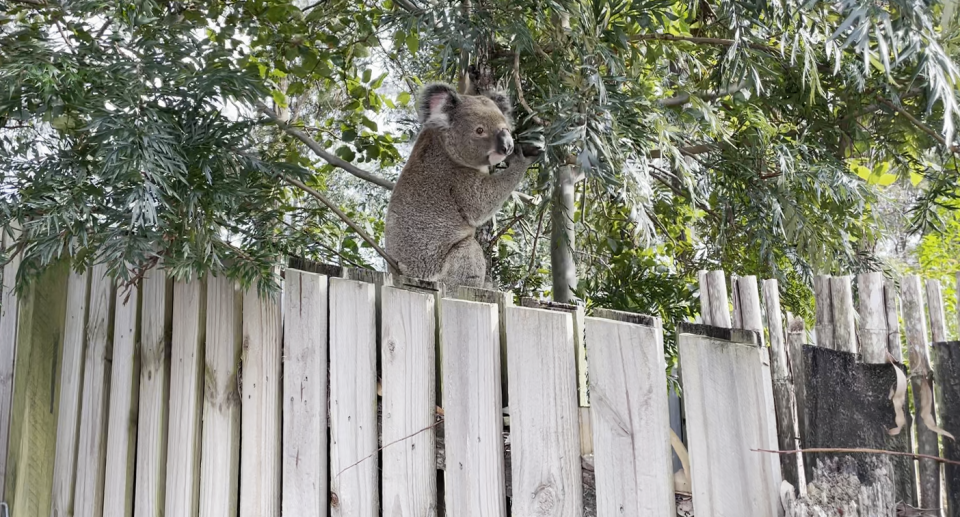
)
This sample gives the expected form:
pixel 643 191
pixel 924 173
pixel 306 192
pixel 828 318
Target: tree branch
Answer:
pixel 321 152
pixel 702 41
pixel 408 5
pixel 688 151
pixel 920 125
pixel 320 197
pixel 682 99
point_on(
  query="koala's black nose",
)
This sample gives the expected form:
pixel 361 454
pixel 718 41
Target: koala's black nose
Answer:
pixel 504 142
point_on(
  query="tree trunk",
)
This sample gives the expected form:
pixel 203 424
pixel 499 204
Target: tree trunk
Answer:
pixel 562 235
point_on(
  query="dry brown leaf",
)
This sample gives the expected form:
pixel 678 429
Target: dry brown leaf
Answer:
pixel 898 394
pixel 926 404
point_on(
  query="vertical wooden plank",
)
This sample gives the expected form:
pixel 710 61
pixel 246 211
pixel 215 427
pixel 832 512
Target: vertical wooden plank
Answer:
pixel 748 295
pixel 915 326
pixel 719 304
pixel 122 417
pixel 725 374
pixel 91 449
pixel 33 425
pixel 473 424
pixel 186 391
pixel 541 377
pixel 409 403
pixel 796 336
pixel 891 304
pixel 156 333
pixel 938 322
pixel 737 321
pixel 824 311
pixel 704 297
pixel 260 465
pixel 844 318
pixel 353 396
pixel 632 455
pixel 305 491
pixel 873 318
pixel 9 318
pixel 785 401
pixel 220 433
pixel 71 378
pixel 948 380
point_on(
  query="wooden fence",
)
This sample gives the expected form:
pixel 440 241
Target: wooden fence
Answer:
pixel 358 394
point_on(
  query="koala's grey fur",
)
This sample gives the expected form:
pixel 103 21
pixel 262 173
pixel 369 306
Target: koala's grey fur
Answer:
pixel 449 186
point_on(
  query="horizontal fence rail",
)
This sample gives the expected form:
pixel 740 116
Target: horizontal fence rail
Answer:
pixel 354 393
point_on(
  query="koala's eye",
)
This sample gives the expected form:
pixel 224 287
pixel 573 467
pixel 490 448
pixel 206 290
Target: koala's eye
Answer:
pixel 479 130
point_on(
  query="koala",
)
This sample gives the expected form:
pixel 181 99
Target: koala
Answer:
pixel 449 186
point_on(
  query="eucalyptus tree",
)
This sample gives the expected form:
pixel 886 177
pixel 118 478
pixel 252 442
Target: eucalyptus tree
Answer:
pixel 225 136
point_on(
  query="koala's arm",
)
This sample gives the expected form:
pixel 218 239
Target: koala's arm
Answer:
pixel 479 201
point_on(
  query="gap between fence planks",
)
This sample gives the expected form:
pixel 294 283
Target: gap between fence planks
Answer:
pixel 473 424
pixel 260 468
pixel 91 448
pixel 123 396
pixel 186 383
pixel 353 395
pixel 630 418
pixel 305 460
pixel 220 435
pixel 156 333
pixel 408 351
pixel 71 377
pixel 541 378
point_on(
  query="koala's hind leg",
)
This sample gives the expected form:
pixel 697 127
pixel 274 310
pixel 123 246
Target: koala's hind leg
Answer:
pixel 464 264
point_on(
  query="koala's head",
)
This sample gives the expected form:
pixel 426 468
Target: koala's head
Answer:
pixel 474 129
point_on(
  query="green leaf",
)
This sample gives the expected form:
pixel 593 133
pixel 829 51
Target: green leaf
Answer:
pixel 403 98
pixel 366 75
pixel 413 42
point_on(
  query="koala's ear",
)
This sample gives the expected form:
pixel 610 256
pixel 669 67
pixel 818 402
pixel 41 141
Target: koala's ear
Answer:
pixel 502 100
pixel 436 101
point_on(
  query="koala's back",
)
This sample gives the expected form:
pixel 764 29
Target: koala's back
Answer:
pixel 423 220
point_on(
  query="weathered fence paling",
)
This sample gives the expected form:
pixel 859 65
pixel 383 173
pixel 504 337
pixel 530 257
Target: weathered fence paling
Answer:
pixel 353 392
pixel 220 437
pixel 544 415
pixel 225 406
pixel 473 425
pixel 408 352
pixel 186 383
pixel 305 348
pixel 632 457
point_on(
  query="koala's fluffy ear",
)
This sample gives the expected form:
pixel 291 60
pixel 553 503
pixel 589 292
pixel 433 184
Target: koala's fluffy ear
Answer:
pixel 436 101
pixel 502 100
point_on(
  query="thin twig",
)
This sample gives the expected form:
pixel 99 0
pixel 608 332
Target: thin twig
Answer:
pixel 321 152
pixel 505 229
pixel 864 451
pixel 320 197
pixel 516 79
pixel 398 440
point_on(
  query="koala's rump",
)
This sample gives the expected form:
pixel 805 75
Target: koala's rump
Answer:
pixel 421 229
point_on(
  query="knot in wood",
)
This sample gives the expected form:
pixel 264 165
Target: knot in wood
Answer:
pixel 545 499
pixel 391 345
